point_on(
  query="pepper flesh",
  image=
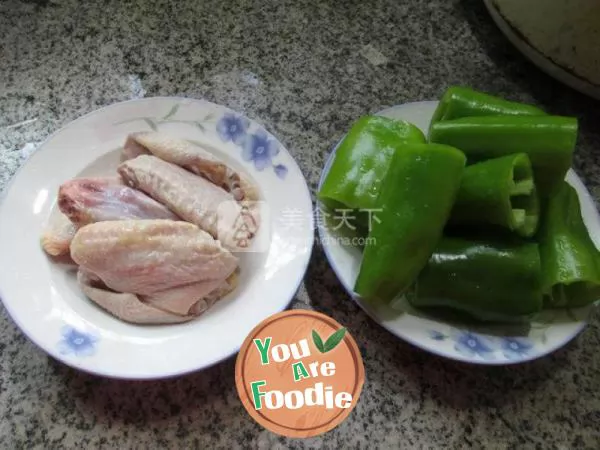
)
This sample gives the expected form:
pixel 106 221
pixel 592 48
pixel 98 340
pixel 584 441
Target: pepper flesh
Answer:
pixel 459 101
pixel 549 142
pixel 362 160
pixel 488 280
pixel 501 192
pixel 414 203
pixel 570 259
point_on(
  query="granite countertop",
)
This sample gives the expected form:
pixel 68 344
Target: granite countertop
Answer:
pixel 306 69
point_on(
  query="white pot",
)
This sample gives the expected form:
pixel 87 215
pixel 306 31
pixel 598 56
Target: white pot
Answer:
pixel 561 36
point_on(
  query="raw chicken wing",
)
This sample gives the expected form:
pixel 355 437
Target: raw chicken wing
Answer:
pixel 224 288
pixel 57 237
pixel 88 200
pixel 149 256
pixel 194 199
pixel 125 306
pixel 181 299
pixel 182 153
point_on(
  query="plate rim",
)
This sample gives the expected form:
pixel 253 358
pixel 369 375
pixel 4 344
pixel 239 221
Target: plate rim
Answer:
pixel 49 351
pixel 458 357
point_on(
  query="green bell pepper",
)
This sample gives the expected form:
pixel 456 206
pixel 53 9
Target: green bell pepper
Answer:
pixel 570 259
pixel 362 160
pixel 415 200
pixel 488 280
pixel 459 101
pixel 549 142
pixel 501 192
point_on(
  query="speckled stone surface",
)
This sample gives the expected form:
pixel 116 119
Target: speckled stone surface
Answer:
pixel 306 69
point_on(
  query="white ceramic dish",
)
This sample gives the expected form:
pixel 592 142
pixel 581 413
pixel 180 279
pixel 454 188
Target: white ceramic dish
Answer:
pixel 492 344
pixel 569 78
pixel 42 296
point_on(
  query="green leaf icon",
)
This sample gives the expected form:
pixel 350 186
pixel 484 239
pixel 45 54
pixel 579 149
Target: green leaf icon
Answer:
pixel 318 341
pixel 331 343
pixel 334 340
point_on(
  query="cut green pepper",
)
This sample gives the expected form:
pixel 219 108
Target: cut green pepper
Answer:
pixel 499 191
pixel 362 160
pixel 460 101
pixel 413 206
pixel 570 259
pixel 549 142
pixel 489 281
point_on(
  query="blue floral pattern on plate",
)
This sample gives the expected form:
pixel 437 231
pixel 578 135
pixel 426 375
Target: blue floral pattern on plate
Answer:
pixel 280 170
pixel 259 149
pixel 516 347
pixel 77 342
pixel 232 127
pixel 475 346
pixel 437 336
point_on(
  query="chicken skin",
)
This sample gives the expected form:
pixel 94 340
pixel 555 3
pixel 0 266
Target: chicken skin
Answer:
pixel 149 256
pixel 194 199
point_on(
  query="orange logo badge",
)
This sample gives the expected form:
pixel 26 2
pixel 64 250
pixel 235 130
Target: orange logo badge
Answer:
pixel 299 373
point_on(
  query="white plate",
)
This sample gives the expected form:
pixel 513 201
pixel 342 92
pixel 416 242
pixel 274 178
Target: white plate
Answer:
pixel 42 296
pixel 539 59
pixel 491 344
